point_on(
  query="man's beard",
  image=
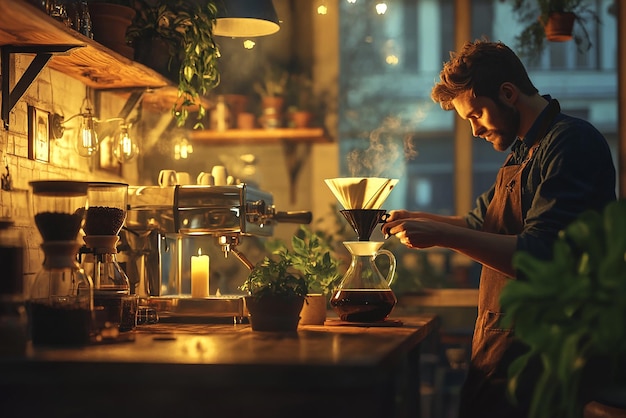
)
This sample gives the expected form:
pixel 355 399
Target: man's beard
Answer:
pixel 509 120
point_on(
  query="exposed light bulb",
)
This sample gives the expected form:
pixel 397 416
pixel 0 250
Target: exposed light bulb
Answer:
pixel 182 149
pixel 87 140
pixel 322 9
pixel 124 148
pixel 381 8
pixel 249 44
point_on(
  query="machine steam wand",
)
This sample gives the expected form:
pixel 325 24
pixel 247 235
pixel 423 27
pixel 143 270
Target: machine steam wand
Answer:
pixel 228 244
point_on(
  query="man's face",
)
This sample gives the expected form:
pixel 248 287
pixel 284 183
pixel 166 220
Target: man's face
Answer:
pixel 492 120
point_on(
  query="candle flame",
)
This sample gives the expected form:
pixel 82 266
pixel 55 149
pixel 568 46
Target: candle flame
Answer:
pixel 199 251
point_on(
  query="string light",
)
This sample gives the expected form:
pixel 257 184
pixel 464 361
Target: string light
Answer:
pixel 381 8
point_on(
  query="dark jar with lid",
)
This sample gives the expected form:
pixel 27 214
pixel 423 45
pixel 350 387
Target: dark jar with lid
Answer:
pixel 13 319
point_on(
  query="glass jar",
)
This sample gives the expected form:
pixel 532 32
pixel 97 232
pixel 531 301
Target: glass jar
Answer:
pixel 115 308
pixel 13 318
pixel 60 302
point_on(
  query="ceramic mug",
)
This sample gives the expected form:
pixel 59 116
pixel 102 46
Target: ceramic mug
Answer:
pixel 183 178
pixel 205 179
pixel 219 175
pixel 167 178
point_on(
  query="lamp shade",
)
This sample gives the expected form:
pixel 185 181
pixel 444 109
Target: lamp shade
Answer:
pixel 246 18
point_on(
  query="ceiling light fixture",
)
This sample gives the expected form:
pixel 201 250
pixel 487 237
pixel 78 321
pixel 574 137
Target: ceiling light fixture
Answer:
pixel 246 18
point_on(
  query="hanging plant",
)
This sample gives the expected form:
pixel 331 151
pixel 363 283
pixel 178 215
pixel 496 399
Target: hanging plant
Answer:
pixel 541 18
pixel 186 30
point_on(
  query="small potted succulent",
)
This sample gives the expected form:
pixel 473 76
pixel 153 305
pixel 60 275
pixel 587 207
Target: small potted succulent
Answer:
pixel 276 292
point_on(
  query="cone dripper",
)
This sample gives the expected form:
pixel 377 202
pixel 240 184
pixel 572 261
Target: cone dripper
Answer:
pixel 361 192
pixel 363 221
pixel 362 198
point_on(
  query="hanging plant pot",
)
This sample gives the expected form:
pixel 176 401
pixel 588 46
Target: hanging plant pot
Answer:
pixel 153 52
pixel 109 23
pixel 559 26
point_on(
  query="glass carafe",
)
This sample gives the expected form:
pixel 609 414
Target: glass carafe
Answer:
pixel 364 294
pixel 60 301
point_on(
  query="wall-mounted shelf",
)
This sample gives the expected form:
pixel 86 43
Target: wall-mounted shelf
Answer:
pixel 23 24
pixel 260 136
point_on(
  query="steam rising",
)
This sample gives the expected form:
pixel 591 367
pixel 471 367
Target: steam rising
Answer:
pixel 389 143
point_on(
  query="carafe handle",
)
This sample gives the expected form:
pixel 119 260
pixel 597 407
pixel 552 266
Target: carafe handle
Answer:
pixel 392 264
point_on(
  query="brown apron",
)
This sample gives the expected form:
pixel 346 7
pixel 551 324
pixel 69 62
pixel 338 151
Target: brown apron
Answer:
pixel 493 348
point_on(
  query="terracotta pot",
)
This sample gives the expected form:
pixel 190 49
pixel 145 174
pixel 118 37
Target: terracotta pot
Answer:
pixel 313 310
pixel 301 118
pixel 559 26
pixel 274 313
pixel 237 104
pixel 246 120
pixel 108 25
pixel 154 53
pixel 272 111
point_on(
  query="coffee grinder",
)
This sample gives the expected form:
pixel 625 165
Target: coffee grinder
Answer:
pixel 60 301
pixel 115 307
pixel 364 294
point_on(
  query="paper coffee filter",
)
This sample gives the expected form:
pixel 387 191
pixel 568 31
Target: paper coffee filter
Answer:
pixel 361 192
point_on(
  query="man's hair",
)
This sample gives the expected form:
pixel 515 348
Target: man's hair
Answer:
pixel 480 67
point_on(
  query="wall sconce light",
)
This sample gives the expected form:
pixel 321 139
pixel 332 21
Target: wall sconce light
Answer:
pixel 125 149
pixel 86 143
pixel 182 148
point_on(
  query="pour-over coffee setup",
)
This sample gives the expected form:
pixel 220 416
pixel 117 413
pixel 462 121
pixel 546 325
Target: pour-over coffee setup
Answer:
pixel 364 294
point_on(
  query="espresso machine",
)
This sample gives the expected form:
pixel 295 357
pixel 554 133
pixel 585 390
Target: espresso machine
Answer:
pixel 161 235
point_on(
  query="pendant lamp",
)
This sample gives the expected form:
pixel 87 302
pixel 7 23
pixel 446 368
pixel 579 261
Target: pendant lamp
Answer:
pixel 246 18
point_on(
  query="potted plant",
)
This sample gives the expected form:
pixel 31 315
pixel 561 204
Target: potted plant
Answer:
pixel 301 100
pixel 276 293
pixel 184 30
pixel 312 255
pixel 110 19
pixel 272 89
pixel 571 312
pixel 543 19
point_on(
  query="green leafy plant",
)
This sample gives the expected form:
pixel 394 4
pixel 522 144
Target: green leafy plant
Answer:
pixel 312 255
pixel 571 312
pixel 187 29
pixel 274 82
pixel 534 15
pixel 275 276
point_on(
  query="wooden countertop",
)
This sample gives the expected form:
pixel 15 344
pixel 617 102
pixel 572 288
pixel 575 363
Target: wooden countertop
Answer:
pixel 218 367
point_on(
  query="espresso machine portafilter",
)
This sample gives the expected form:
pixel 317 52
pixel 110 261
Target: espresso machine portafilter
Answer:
pixel 163 217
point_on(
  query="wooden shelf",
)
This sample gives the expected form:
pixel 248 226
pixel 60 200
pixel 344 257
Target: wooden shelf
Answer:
pixel 260 136
pixel 23 24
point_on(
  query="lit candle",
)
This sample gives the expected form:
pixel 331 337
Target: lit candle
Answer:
pixel 199 275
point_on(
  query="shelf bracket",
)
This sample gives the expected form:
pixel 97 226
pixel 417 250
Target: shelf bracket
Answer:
pixel 43 53
pixel 129 106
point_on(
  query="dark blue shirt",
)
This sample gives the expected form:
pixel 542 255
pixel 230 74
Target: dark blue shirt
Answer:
pixel 571 171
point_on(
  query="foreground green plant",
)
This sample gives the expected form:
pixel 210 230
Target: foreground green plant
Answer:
pixel 571 312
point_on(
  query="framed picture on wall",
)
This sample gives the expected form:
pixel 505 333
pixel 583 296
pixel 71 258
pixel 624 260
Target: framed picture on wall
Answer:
pixel 38 134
